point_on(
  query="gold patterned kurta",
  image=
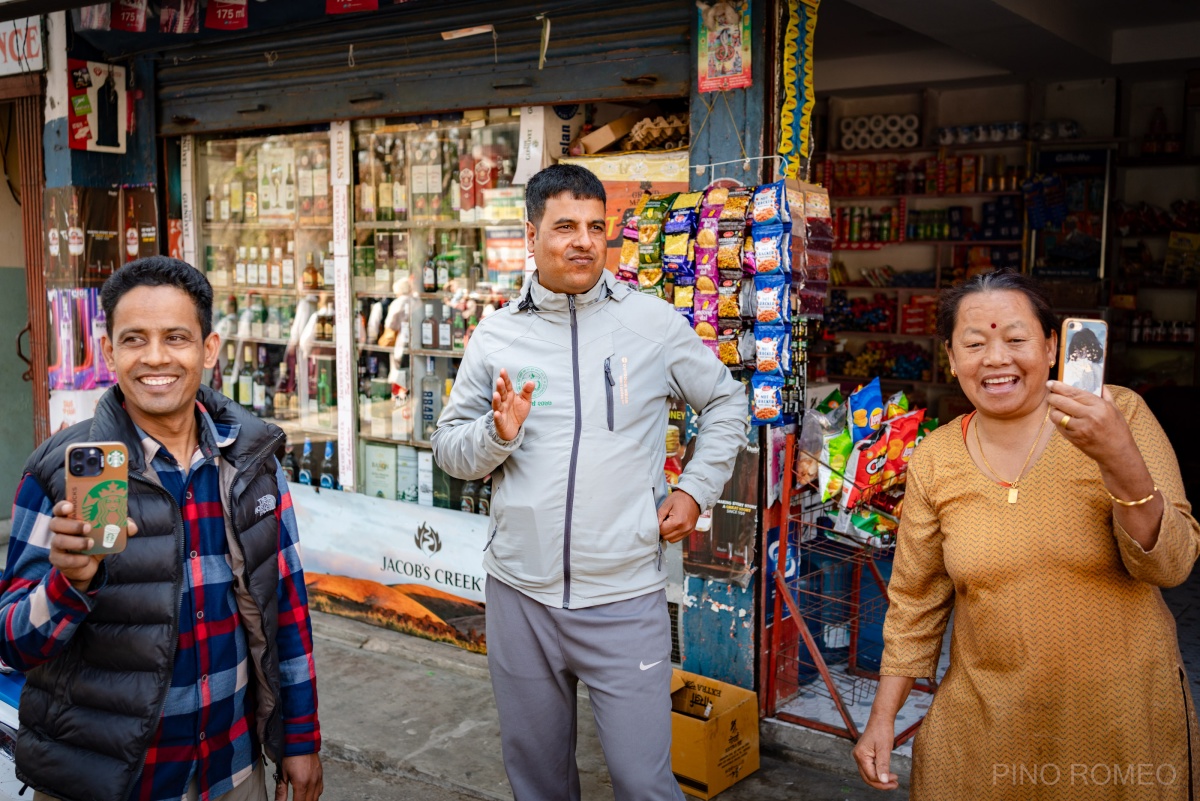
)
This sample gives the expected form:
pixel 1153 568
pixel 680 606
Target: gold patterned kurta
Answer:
pixel 1065 678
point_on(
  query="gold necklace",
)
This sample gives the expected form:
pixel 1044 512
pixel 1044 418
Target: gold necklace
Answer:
pixel 1015 485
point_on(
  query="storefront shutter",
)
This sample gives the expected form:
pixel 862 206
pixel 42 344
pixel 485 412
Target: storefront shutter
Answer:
pixel 395 61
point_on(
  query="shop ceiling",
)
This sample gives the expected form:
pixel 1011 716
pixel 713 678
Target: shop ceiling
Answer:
pixel 869 44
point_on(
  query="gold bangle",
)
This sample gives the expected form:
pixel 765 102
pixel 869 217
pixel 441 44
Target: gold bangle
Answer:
pixel 1147 499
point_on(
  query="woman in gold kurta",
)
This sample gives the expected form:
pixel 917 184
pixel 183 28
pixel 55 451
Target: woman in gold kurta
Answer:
pixel 1047 521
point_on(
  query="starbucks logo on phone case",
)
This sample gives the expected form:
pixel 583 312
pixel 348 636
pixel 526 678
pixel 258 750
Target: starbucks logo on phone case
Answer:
pixel 105 504
pixel 115 459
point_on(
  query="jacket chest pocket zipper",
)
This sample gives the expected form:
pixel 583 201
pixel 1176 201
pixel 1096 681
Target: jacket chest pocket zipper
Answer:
pixel 608 389
pixel 489 541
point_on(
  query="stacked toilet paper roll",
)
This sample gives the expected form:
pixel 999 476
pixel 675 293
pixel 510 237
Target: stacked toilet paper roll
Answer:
pixel 879 131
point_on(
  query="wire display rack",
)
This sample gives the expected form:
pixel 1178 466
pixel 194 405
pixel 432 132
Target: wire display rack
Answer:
pixel 829 605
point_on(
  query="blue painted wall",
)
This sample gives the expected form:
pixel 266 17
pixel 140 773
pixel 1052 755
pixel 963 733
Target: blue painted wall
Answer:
pixel 719 620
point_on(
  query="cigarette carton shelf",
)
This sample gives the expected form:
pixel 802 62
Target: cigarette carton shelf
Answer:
pixel 919 196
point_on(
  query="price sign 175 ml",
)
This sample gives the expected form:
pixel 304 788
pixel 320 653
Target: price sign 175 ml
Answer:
pixel 226 15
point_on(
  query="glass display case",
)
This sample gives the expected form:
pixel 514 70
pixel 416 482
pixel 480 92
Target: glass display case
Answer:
pixel 438 244
pixel 434 243
pixel 266 241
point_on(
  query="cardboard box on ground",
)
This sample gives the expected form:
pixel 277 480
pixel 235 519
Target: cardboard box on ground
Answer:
pixel 714 734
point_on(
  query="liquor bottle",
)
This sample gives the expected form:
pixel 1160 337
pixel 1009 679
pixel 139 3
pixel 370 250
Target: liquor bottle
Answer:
pixel 225 209
pixel 470 496
pixel 237 198
pixel 53 240
pixel 267 198
pixel 444 336
pixel 258 316
pixel 208 203
pixel 282 402
pixel 366 183
pixel 276 271
pixel 483 506
pixel 399 184
pixel 245 379
pixel 324 398
pixel 289 191
pixel 132 242
pixel 443 264
pixel 258 400
pixel 288 266
pixel 290 468
pixel 458 334
pixel 75 244
pixel 252 267
pixel 466 182
pixel 322 214
pixel 429 274
pixel 329 267
pixel 402 414
pixel 385 211
pixel 312 277
pixel 329 468
pixel 304 181
pixel 431 399
pixel 274 325
pixel 239 269
pixel 228 380
pixel 428 329
pixel 250 191
pixel 304 474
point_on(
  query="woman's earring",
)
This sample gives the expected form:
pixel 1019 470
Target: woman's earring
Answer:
pixel 953 374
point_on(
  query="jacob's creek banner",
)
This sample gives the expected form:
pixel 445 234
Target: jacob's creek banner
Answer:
pixel 410 568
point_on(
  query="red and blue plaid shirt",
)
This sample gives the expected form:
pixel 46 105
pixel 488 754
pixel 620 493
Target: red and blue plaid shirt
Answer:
pixel 206 732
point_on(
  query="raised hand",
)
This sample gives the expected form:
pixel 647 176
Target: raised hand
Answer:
pixel 509 407
pixel 69 537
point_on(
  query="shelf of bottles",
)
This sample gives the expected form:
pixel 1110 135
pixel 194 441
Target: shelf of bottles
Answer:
pixel 266 241
pixel 438 244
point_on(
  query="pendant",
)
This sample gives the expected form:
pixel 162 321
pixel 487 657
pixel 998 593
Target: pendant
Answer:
pixel 1012 494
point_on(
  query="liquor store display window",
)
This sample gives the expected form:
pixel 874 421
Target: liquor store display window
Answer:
pixel 434 243
pixel 438 245
pixel 267 247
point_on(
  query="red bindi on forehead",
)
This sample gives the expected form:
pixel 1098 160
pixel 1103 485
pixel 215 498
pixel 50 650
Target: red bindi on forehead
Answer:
pixel 993 325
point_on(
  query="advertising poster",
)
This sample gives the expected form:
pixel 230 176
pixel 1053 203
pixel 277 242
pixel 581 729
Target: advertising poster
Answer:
pixel 140 223
pixel 410 568
pixel 179 16
pixel 276 185
pixel 98 113
pixel 83 244
pixel 724 59
pixel 626 177
pixel 726 550
pixel 226 15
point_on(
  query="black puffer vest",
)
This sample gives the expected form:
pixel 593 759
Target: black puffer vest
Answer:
pixel 88 715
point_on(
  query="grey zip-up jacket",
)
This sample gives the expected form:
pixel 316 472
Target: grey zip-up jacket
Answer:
pixel 574 519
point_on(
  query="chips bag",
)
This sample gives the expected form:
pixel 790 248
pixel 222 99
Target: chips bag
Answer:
pixel 832 401
pixel 766 407
pixel 895 406
pixel 864 470
pixel 771 299
pixel 772 346
pixel 923 430
pixel 705 315
pixel 771 249
pixel 769 206
pixel 902 439
pixel 736 206
pixel 835 452
pixel 866 410
pixel 729 333
pixel 729 248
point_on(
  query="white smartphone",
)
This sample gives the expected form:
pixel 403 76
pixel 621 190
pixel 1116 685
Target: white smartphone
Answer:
pixel 1082 355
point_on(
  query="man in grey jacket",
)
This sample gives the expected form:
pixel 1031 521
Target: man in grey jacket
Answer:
pixel 580 504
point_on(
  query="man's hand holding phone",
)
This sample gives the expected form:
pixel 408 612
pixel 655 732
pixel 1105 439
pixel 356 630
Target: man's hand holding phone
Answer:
pixel 69 536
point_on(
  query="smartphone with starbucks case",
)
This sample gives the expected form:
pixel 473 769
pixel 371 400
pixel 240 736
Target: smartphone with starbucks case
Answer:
pixel 98 488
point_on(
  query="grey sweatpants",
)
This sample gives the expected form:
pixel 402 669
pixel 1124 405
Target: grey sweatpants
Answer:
pixel 538 654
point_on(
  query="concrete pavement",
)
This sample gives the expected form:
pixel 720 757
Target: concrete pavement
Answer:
pixel 404 708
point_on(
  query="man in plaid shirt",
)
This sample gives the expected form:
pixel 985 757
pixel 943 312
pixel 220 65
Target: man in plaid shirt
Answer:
pixel 208 597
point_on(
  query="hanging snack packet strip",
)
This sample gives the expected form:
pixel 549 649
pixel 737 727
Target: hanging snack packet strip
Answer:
pixel 650 242
pixel 729 333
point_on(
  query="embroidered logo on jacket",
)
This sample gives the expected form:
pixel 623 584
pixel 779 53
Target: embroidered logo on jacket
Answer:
pixel 265 504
